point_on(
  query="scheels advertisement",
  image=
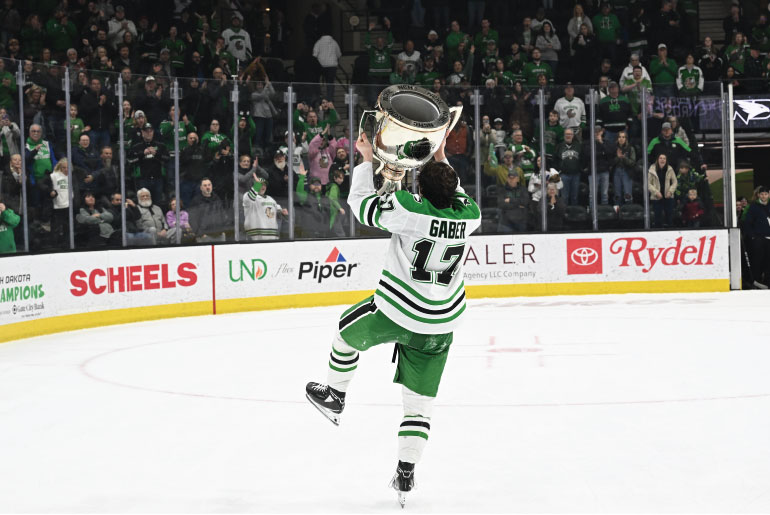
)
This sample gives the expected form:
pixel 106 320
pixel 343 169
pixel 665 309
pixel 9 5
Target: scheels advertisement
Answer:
pixel 35 287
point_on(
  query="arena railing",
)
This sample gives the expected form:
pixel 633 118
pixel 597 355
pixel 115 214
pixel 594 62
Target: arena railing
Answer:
pixel 93 201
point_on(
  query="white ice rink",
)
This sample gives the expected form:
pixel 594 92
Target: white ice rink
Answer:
pixel 624 403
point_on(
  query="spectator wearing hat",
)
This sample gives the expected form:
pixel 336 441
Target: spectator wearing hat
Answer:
pixel 568 160
pixel 152 101
pixel 628 71
pixel 321 153
pixel 149 157
pixel 500 171
pixel 513 201
pixel 756 227
pixel 614 113
pixel 673 147
pixel 237 40
pixel 431 41
pixel 571 110
pixel 663 70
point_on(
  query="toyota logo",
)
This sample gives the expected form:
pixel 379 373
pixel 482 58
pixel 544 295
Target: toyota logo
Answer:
pixel 584 256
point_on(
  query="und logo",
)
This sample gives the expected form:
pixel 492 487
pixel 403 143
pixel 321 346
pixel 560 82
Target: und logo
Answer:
pixel 748 110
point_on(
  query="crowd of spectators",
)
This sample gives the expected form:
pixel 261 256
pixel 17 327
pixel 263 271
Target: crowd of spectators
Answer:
pixel 623 50
pixel 211 48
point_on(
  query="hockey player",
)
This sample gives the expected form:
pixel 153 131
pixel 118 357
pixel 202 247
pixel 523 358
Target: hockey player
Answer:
pixel 418 302
pixel 260 212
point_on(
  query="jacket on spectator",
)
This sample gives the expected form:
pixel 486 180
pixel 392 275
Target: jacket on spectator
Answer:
pixel 8 221
pixel 193 163
pixel 313 210
pixel 516 210
pixel 99 117
pixel 149 166
pixel 152 220
pixel 654 181
pixel 103 222
pixel 208 215
pixel 757 220
pixel 568 158
pixel 321 155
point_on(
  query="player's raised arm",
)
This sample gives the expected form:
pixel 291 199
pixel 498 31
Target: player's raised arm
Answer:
pixel 362 190
pixel 440 156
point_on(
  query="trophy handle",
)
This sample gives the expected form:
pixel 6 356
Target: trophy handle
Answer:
pixel 455 112
pixel 368 113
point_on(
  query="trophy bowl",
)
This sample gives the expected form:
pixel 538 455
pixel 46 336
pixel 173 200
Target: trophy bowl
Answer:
pixel 410 123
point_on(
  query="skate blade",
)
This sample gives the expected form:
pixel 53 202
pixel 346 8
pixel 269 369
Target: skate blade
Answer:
pixel 334 417
pixel 401 495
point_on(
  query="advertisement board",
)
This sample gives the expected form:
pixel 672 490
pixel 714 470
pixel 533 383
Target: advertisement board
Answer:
pixel 57 292
pixel 104 287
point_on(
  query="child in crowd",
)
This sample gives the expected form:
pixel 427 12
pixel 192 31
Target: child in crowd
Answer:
pixel 692 209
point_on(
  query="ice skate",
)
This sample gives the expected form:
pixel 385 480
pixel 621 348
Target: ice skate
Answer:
pixel 403 481
pixel 327 400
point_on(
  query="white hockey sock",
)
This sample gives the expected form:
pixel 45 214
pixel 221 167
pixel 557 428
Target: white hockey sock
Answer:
pixel 343 361
pixel 415 426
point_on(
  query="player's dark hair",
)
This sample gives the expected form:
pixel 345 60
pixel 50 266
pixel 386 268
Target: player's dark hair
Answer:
pixel 438 182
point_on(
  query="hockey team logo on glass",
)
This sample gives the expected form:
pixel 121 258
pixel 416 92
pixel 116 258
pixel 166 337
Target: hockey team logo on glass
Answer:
pixel 584 256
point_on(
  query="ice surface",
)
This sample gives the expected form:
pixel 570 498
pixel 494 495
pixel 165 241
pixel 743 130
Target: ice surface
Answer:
pixel 623 403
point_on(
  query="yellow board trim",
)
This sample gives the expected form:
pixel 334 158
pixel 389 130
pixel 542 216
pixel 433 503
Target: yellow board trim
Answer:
pixel 58 324
pixel 62 323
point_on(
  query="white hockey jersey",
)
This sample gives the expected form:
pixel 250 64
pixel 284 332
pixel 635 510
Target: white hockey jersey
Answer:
pixel 571 112
pixel 260 215
pixel 421 287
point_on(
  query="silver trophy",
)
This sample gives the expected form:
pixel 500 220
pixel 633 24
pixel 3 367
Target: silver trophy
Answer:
pixel 409 125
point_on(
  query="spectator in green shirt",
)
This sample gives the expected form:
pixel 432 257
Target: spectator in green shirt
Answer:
pixel 663 71
pixel 61 34
pixel 453 40
pixel 535 68
pixel 607 29
pixel 487 34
